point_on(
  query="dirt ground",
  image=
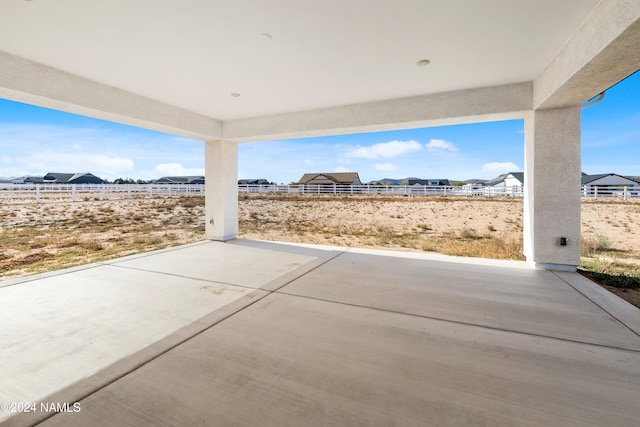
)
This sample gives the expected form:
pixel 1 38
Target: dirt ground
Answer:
pixel 305 219
pixel 36 238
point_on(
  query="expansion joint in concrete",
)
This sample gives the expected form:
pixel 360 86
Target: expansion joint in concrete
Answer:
pixel 457 322
pixel 609 313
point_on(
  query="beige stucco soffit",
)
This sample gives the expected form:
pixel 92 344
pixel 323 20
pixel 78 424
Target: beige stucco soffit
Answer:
pixel 464 106
pixel 603 50
pixel 33 83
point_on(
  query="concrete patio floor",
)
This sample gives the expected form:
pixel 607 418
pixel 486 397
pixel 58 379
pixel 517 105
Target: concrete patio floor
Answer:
pixel 273 334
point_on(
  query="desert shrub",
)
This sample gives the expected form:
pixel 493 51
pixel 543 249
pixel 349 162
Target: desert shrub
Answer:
pixel 384 235
pixel 592 245
pixel 190 202
pixel 468 233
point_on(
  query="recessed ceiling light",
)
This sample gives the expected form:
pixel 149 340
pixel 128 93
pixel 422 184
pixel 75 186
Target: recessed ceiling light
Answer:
pixel 265 36
pixel 423 63
pixel 234 94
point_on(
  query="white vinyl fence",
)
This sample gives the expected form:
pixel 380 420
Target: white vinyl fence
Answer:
pixel 377 190
pixel 29 193
pixel 38 193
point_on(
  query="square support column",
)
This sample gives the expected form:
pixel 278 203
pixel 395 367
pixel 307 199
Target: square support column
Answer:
pixel 552 177
pixel 221 190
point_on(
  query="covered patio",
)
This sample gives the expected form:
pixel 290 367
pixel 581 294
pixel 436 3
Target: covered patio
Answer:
pixel 229 72
pixel 237 332
pixel 266 333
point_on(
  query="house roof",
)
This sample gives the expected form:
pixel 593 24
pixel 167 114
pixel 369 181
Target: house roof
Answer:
pixel 59 177
pixel 258 181
pixel 518 175
pixel 181 179
pixel 590 178
pixel 420 181
pixel 501 178
pixel 337 177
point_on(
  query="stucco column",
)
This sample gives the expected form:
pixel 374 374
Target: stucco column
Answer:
pixel 221 190
pixel 552 188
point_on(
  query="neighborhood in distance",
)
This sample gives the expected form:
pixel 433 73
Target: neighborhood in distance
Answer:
pixel 510 183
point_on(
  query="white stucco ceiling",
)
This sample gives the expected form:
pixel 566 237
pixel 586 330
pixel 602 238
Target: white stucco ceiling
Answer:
pixel 193 54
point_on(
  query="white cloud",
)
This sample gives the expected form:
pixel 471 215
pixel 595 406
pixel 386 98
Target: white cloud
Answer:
pixel 106 164
pixel 342 169
pixel 498 168
pixel 6 159
pixel 176 169
pixel 49 161
pixel 438 145
pixel 385 167
pixel 308 161
pixel 385 150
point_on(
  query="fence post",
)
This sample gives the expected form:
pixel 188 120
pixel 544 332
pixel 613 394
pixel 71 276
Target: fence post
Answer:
pixel 595 192
pixel 37 193
pixel 624 192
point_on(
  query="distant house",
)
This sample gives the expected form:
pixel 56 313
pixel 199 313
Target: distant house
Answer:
pixel 390 181
pixel 26 180
pixel 19 180
pixel 71 178
pixel 510 179
pixel 608 179
pixel 260 181
pixel 32 180
pixel 180 180
pixel 428 182
pixel 339 178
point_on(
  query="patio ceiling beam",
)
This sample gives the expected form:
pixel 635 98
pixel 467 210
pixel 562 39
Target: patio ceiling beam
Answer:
pixel 38 84
pixel 604 50
pixel 465 106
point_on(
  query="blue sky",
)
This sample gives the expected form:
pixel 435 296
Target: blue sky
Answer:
pixel 34 141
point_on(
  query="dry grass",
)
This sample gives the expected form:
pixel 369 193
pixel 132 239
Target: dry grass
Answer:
pixel 38 238
pixel 433 224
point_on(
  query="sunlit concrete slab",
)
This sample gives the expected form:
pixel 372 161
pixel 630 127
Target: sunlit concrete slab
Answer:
pixel 241 263
pixel 334 336
pixel 61 329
